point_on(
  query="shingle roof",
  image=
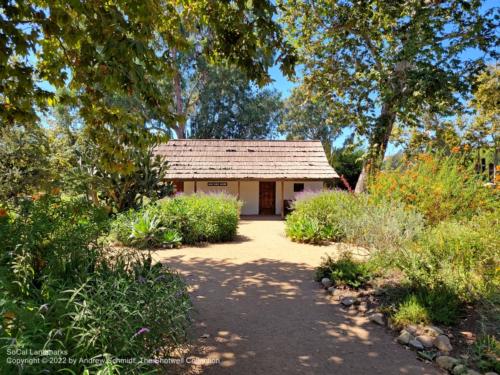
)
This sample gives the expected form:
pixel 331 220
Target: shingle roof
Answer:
pixel 200 159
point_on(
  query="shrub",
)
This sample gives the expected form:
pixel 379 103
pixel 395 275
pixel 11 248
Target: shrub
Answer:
pixel 60 290
pixel 459 256
pixel 344 271
pixel 340 216
pixel 410 311
pixel 187 218
pixel 486 352
pixel 438 187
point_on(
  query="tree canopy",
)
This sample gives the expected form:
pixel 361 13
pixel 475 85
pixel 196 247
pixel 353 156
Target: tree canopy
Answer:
pixel 386 62
pixel 229 106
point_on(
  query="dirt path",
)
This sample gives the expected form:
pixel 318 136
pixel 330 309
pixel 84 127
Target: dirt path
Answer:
pixel 263 314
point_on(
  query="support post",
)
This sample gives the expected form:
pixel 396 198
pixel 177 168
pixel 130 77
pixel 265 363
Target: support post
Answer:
pixel 238 189
pixel 195 187
pixel 282 200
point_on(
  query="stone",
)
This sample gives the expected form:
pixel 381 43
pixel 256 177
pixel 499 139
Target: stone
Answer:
pixel 412 329
pixel 433 331
pixel 347 301
pixel 415 344
pixel 446 362
pixel 426 340
pixel 326 282
pixel 405 337
pixel 459 370
pixel 331 290
pixel 377 318
pixel 442 342
pixel 472 372
pixel 490 373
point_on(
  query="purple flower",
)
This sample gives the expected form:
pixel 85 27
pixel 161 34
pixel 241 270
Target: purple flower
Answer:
pixel 141 331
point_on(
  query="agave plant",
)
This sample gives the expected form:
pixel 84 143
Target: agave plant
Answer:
pixel 145 230
pixel 171 238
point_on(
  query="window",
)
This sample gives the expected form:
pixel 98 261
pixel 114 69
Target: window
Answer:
pixel 297 188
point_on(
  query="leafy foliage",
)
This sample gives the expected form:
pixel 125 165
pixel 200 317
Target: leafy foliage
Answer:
pixel 307 117
pixel 384 62
pixel 25 162
pixel 124 48
pixel 344 271
pixel 436 186
pixel 339 216
pixel 230 107
pixel 187 218
pixel 60 290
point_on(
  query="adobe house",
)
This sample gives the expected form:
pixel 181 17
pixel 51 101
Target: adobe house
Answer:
pixel 264 175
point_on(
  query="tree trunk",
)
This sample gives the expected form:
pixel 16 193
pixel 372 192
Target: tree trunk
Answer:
pixel 379 140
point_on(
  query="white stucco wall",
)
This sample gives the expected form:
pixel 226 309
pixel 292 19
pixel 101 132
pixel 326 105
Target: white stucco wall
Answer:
pixel 249 192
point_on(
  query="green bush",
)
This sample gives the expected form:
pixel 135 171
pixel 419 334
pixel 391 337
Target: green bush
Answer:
pixel 187 218
pixel 486 352
pixel 340 216
pixel 459 256
pixel 411 311
pixel 344 271
pixel 440 188
pixel 60 290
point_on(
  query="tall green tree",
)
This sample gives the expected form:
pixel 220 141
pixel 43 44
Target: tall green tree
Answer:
pixel 387 62
pixel 308 116
pixel 230 106
pixel 124 48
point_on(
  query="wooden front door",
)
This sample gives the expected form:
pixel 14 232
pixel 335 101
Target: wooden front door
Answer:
pixel 267 198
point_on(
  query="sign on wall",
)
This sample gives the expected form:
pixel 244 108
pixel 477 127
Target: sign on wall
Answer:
pixel 217 184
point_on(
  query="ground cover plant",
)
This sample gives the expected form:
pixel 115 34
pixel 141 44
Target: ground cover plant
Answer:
pixel 185 219
pixel 62 291
pixel 431 226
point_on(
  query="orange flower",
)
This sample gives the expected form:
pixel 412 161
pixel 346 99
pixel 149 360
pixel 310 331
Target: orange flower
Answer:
pixel 455 149
pixel 3 212
pixel 37 196
pixel 56 191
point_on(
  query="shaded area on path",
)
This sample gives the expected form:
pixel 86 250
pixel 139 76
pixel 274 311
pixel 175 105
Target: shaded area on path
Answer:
pixel 267 316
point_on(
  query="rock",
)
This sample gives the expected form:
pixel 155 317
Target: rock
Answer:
pixel 427 341
pixel 331 290
pixel 205 336
pixel 442 342
pixel 433 331
pixel 377 318
pixel 347 301
pixel 405 337
pixel 415 344
pixel 446 362
pixel 326 282
pixel 472 372
pixel 459 370
pixel 412 329
pixel 490 373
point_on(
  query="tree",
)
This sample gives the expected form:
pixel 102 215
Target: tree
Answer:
pixel 229 106
pixel 25 166
pixel 348 162
pixel 387 62
pixel 124 48
pixel 308 116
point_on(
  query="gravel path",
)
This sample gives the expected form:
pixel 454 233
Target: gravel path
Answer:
pixel 257 311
